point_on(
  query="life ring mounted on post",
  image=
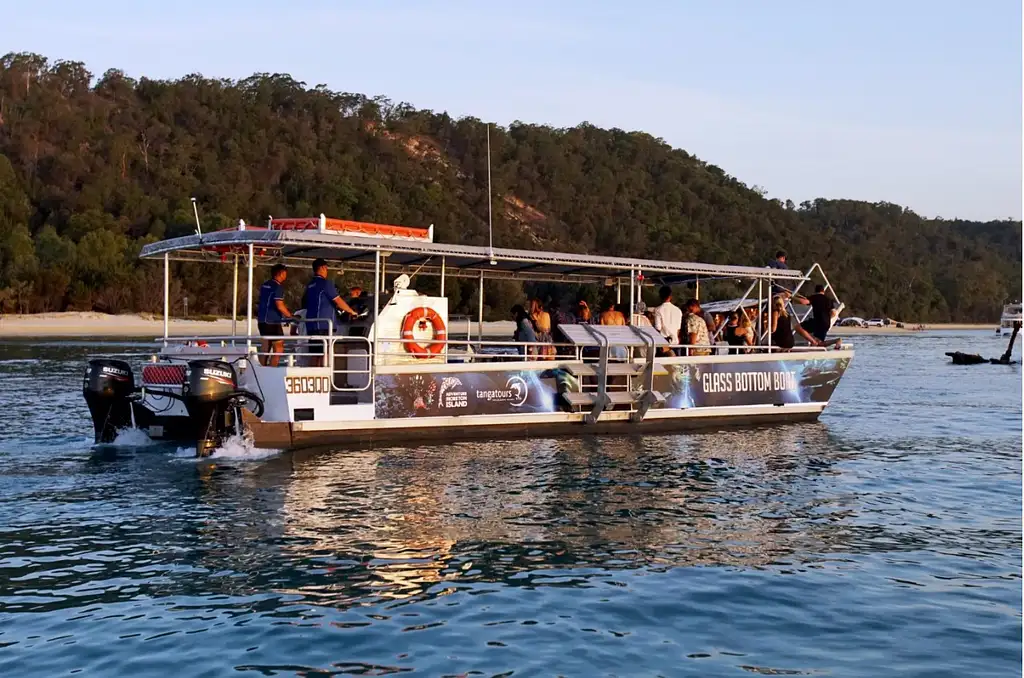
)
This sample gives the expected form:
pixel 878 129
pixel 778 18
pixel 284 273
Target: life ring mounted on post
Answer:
pixel 419 317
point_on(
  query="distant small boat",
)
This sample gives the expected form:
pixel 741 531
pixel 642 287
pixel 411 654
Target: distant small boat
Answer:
pixel 1011 314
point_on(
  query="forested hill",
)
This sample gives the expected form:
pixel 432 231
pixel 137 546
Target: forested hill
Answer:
pixel 91 168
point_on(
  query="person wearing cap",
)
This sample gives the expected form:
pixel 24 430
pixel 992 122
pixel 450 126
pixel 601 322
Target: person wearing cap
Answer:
pixel 321 300
pixel 271 314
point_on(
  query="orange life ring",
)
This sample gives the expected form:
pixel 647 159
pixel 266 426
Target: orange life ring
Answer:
pixel 418 315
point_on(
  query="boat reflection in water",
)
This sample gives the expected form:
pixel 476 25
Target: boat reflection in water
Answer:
pixel 366 527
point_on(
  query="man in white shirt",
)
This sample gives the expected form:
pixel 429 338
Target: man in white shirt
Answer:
pixel 668 318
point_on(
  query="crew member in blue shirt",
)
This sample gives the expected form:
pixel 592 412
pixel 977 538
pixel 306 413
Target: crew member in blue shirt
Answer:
pixel 271 315
pixel 779 263
pixel 321 299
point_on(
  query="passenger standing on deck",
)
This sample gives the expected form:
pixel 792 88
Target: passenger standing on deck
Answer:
pixel 613 316
pixel 782 327
pixel 733 334
pixel 271 314
pixel 696 330
pixel 820 321
pixel 668 319
pixel 321 300
pixel 524 332
pixel 542 325
pixel 583 314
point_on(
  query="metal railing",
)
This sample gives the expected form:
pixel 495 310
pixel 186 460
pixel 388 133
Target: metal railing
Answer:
pixel 564 351
pixel 298 351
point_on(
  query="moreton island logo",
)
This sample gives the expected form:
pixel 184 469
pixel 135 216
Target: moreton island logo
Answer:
pixel 514 393
pixel 451 394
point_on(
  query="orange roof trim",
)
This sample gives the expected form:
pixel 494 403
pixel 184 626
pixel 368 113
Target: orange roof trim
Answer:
pixel 354 227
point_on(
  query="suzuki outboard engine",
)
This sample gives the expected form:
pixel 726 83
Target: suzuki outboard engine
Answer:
pixel 108 386
pixel 209 394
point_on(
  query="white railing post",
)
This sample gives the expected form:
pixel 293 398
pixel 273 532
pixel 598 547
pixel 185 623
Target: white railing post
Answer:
pixel 480 311
pixel 376 300
pixel 248 306
pixel 234 304
pixel 167 295
pixel 632 295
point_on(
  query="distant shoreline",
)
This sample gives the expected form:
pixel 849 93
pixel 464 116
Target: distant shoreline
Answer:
pixel 135 326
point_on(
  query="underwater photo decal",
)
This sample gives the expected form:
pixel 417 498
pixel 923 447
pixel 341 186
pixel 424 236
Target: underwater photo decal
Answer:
pixel 462 393
pixel 751 383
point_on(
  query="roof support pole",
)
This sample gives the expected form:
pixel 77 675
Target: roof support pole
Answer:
pixel 632 295
pixel 376 304
pixel 618 291
pixel 442 275
pixel 696 289
pixel 248 306
pixel 167 295
pixel 758 325
pixel 234 304
pixel 771 309
pixel 480 311
pixel 738 308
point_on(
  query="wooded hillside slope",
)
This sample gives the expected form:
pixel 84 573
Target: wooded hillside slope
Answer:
pixel 92 168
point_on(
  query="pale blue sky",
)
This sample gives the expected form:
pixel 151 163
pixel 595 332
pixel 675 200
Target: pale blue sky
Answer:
pixel 917 102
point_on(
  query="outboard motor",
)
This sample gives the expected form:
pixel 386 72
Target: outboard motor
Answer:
pixel 209 394
pixel 108 386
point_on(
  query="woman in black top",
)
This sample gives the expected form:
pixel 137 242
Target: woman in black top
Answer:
pixel 734 334
pixel 782 327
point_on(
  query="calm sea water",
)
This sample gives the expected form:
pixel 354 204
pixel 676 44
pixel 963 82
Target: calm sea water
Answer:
pixel 884 540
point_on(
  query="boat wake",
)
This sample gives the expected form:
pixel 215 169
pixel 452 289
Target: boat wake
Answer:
pixel 132 437
pixel 237 447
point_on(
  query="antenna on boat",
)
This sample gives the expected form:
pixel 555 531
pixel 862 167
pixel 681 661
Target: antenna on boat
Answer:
pixel 490 201
pixel 195 210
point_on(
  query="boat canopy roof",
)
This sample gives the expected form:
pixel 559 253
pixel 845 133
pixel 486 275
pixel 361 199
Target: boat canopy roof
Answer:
pixel 353 246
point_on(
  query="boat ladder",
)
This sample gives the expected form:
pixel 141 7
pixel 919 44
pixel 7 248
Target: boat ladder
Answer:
pixel 605 376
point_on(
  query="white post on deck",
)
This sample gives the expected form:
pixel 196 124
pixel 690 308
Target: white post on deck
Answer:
pixel 618 291
pixel 248 306
pixel 480 310
pixel 771 309
pixel 442 275
pixel 167 295
pixel 632 294
pixel 757 321
pixel 376 301
pixel 234 304
pixel 696 289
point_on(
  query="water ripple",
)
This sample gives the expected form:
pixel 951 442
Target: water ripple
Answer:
pixel 884 540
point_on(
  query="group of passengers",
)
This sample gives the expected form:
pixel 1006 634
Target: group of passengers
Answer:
pixel 319 302
pixel 688 330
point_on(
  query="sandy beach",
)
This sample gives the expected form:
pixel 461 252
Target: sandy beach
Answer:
pixel 85 324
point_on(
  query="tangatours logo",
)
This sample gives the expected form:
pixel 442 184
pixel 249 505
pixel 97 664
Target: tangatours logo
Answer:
pixel 514 393
pixel 517 387
pixel 451 394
